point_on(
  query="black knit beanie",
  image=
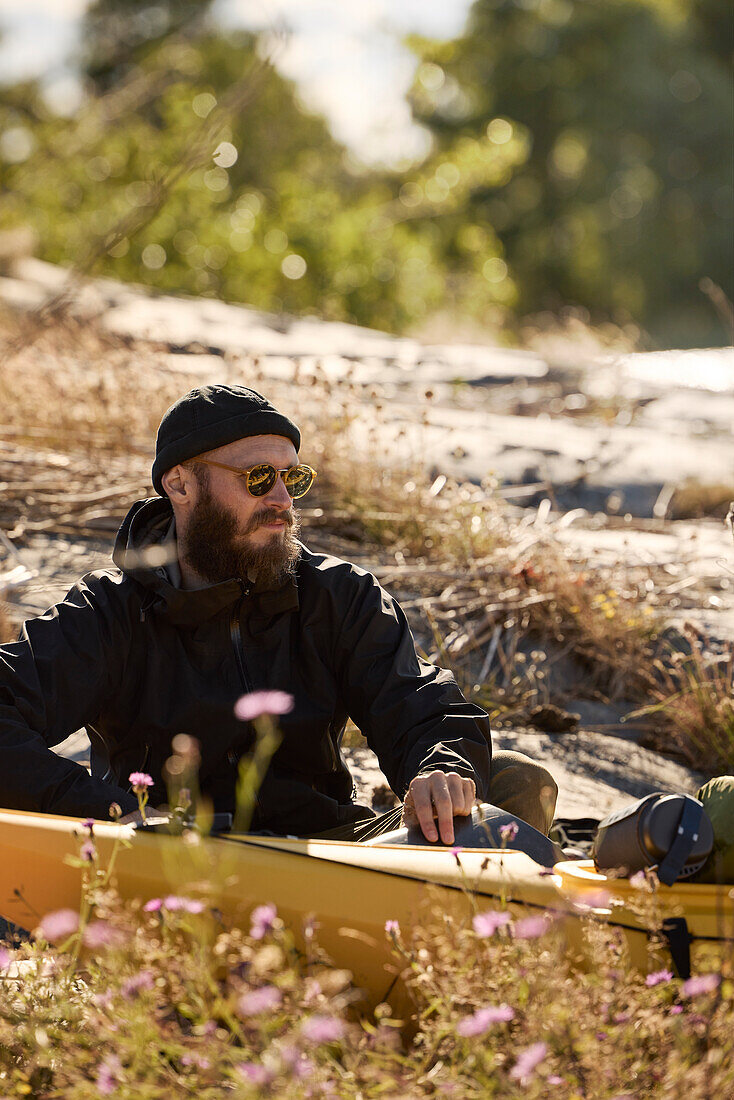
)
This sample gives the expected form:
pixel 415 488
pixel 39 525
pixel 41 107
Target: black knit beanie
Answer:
pixel 211 417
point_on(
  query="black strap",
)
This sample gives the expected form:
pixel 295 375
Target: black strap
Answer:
pixel 687 835
pixel 678 939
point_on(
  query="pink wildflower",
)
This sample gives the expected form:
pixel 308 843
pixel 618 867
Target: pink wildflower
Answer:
pixel 529 928
pixel 254 1073
pixel 638 880
pixel 486 924
pixel 153 905
pixel 509 831
pixel 299 1064
pixel 88 852
pixel 312 991
pixel 528 1061
pixel 554 1079
pixel 109 1075
pixel 100 934
pixel 88 823
pixel 657 977
pixel 597 899
pixel 5 958
pixel 139 982
pixel 322 1029
pixel 456 852
pixel 249 707
pixel 140 781
pixel 175 904
pixel 481 1020
pixel 265 999
pixel 392 928
pixel 704 983
pixel 195 1060
pixel 675 1010
pixel 262 920
pixel 59 925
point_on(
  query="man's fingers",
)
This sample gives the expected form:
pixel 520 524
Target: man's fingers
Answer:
pixel 440 796
pixel 462 794
pixel 423 807
pixel 470 795
pixel 444 804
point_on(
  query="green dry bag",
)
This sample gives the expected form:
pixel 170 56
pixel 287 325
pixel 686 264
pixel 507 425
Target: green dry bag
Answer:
pixel 718 800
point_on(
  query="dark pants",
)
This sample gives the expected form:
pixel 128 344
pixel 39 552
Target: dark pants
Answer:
pixel 518 785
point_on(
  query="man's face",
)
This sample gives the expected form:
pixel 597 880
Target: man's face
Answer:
pixel 229 533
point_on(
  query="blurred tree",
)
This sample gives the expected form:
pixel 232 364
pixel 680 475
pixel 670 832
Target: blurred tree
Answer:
pixel 577 159
pixel 198 170
pixel 715 19
pixel 118 34
pixel 623 201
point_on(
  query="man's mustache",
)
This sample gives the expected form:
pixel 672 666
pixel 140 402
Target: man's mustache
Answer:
pixel 269 515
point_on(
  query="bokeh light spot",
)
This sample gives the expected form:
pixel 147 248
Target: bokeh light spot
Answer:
pixel 240 240
pixel 494 270
pixel 184 240
pixel 275 241
pixel 685 86
pixel 499 131
pixel 203 104
pixel 153 257
pixel 411 194
pixel 294 266
pixel 16 144
pixel 225 154
pixel 625 202
pixel 431 76
pixel 216 179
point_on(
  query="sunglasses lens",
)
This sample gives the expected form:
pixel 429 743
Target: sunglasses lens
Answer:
pixel 261 479
pixel 299 480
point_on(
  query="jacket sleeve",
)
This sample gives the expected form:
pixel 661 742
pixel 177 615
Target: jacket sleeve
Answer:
pixel 52 681
pixel 411 712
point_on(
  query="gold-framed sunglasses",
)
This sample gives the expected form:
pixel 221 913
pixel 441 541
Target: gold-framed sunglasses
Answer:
pixel 260 479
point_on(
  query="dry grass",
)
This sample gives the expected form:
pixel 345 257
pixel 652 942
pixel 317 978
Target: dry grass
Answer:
pixel 695 696
pixel 7 627
pixel 171 1000
pixel 487 587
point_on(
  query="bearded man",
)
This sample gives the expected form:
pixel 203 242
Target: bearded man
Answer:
pixel 213 596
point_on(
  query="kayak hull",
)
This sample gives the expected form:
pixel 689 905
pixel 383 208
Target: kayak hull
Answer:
pixel 349 890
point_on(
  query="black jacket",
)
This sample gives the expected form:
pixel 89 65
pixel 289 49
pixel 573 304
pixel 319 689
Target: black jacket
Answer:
pixel 137 660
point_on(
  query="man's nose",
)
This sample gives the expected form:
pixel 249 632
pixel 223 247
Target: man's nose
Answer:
pixel 279 496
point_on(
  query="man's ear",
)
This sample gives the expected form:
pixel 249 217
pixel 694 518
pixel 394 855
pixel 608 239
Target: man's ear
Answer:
pixel 178 483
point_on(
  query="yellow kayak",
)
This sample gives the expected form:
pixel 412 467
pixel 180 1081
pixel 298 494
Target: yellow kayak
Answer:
pixel 350 890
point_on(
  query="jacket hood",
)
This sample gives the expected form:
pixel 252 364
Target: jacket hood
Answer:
pixel 144 553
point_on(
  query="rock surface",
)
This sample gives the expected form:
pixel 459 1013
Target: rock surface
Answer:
pixel 667 415
pixel 610 433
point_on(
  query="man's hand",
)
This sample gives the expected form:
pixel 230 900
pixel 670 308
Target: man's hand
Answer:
pixel 151 814
pixel 441 795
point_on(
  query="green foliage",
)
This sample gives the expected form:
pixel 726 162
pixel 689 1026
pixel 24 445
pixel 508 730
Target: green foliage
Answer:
pixel 622 201
pixel 578 158
pixel 191 166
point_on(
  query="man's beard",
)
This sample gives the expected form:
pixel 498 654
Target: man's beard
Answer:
pixel 217 550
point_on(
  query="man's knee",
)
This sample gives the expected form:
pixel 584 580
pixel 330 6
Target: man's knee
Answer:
pixel 524 788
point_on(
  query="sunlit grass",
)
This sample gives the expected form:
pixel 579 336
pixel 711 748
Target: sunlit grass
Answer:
pixel 490 593
pixel 166 999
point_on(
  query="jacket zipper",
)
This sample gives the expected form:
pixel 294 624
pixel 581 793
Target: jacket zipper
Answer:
pixel 146 757
pixel 235 633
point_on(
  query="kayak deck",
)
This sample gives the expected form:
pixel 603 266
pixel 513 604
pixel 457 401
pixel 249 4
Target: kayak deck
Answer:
pixel 350 889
